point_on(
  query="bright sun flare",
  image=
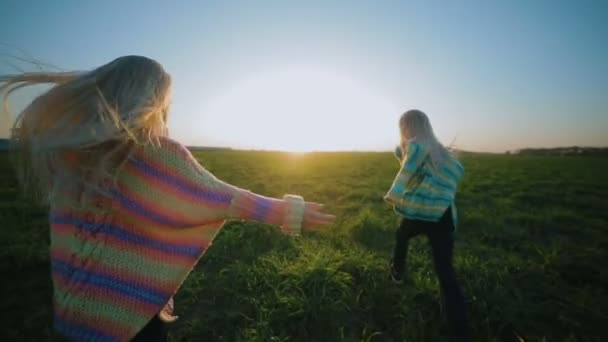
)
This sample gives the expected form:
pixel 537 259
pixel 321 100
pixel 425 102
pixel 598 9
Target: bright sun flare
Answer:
pixel 301 110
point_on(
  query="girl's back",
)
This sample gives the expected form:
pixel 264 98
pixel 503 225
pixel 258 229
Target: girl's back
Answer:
pixel 426 183
pixel 122 254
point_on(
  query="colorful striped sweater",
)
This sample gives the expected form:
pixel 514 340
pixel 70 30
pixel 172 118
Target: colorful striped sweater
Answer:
pixel 118 261
pixel 421 191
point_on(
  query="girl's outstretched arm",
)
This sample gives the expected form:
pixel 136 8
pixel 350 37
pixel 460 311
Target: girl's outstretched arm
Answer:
pixel 179 192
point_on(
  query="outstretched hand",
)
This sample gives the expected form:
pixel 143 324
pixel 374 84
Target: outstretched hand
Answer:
pixel 314 218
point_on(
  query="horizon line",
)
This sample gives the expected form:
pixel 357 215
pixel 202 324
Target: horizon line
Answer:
pixel 219 148
pixel 212 147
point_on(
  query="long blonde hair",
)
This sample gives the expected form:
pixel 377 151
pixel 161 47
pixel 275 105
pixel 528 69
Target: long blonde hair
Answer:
pixel 416 126
pixel 80 131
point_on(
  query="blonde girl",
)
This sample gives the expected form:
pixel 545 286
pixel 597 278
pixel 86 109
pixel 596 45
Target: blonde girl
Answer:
pixel 423 195
pixel 131 211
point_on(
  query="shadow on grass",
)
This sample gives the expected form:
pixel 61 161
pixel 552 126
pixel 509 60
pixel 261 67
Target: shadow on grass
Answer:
pixel 373 233
pixel 216 292
pixel 244 242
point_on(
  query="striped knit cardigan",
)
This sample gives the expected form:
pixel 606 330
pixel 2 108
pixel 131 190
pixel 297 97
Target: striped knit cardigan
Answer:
pixel 117 262
pixel 420 191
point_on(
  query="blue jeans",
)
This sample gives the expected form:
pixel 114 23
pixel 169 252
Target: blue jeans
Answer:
pixel 441 238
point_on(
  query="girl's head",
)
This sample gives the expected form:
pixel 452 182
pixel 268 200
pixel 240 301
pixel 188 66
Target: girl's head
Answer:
pixel 415 126
pixel 126 98
pixel 91 116
pixel 415 123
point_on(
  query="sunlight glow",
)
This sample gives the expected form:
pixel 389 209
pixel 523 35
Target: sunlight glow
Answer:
pixel 301 109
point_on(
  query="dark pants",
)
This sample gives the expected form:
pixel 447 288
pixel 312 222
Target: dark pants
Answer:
pixel 154 331
pixel 441 238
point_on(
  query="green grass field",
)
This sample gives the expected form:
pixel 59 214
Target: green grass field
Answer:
pixel 531 255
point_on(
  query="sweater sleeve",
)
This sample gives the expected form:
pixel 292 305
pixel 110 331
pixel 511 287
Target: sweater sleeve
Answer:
pixel 398 153
pixel 414 156
pixel 413 160
pixel 174 188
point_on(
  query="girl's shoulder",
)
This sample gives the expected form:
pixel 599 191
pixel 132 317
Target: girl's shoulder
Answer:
pixel 415 148
pixel 408 148
pixel 165 145
pixel 164 151
pixel 413 143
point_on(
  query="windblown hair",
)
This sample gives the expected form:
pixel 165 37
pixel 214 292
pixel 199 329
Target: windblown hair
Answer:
pixel 415 126
pixel 77 134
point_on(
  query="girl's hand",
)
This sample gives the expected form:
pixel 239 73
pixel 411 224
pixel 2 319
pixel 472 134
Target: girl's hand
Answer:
pixel 314 218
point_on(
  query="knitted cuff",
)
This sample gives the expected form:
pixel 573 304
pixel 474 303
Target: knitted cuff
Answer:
pixel 294 214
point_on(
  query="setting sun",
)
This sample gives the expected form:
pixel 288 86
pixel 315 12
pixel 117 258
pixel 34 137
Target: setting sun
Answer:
pixel 301 110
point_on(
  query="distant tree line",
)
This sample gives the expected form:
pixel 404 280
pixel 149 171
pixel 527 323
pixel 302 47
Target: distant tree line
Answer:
pixel 557 151
pixel 563 151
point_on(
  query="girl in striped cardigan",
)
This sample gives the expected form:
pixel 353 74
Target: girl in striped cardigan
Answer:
pixel 423 195
pixel 131 211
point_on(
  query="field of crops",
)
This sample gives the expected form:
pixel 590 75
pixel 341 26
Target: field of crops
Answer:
pixel 531 255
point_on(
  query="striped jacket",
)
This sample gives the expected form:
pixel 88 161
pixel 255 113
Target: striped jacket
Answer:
pixel 420 191
pixel 118 260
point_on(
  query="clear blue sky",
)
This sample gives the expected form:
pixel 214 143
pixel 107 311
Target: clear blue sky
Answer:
pixel 491 75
